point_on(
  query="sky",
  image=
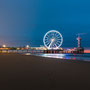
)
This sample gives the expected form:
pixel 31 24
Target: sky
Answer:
pixel 25 22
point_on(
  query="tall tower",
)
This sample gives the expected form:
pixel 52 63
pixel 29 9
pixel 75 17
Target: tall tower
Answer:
pixel 79 41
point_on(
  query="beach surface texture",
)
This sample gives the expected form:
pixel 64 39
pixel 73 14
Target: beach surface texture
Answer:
pixel 20 72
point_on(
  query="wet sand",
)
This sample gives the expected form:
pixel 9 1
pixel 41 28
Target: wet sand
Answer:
pixel 20 72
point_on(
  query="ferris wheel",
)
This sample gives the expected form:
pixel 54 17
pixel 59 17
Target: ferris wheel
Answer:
pixel 53 39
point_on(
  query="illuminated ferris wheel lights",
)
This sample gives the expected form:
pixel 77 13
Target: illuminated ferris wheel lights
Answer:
pixel 53 39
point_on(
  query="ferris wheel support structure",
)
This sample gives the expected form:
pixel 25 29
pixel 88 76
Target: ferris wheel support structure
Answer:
pixel 53 40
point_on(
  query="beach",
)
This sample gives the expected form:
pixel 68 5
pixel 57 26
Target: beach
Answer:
pixel 20 72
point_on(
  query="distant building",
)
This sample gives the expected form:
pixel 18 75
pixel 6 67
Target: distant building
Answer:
pixel 79 48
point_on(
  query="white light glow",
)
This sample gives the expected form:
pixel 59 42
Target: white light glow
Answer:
pixel 53 40
pixel 4 46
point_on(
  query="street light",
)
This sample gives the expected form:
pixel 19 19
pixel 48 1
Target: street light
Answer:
pixel 4 46
pixel 28 46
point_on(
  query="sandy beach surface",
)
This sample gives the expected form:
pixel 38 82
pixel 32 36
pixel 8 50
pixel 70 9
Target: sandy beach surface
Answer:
pixel 20 72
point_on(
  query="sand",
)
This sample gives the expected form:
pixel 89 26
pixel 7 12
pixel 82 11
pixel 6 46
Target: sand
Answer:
pixel 20 72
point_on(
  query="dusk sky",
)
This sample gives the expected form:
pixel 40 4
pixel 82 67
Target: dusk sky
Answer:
pixel 25 22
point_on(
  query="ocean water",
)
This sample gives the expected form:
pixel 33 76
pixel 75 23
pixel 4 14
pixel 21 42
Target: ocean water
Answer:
pixel 82 57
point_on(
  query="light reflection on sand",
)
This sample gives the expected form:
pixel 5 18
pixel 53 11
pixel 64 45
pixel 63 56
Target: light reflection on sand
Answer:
pixel 54 55
pixel 83 57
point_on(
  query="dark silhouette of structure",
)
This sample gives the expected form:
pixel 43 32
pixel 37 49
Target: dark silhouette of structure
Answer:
pixel 79 48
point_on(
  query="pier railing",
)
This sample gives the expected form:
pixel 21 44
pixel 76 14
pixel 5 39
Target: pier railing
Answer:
pixel 39 51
